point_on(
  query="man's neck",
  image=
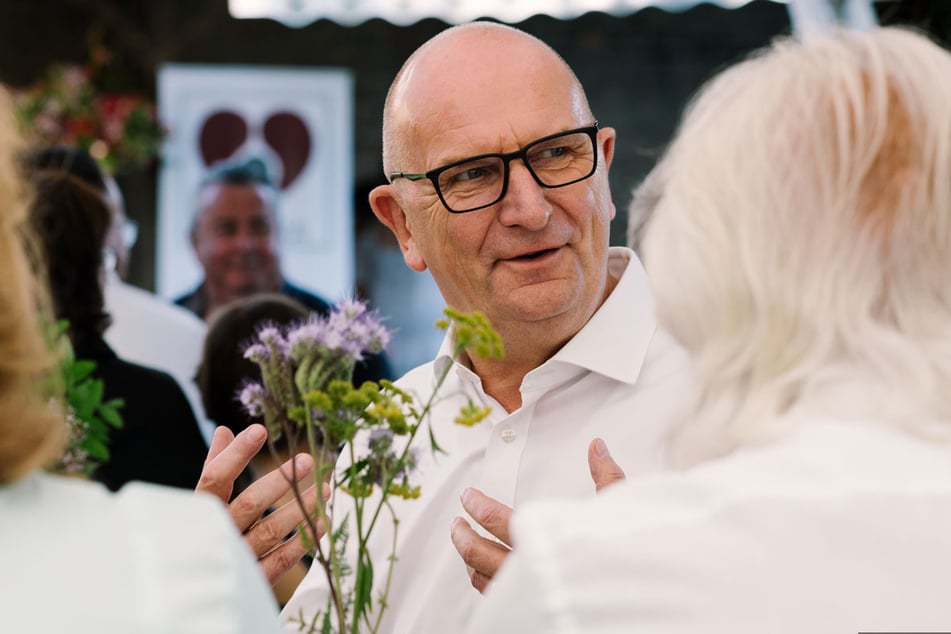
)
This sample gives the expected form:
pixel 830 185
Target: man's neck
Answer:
pixel 502 379
pixel 526 348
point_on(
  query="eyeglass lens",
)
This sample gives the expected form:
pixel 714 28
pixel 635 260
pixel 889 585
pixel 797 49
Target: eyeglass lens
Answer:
pixel 554 162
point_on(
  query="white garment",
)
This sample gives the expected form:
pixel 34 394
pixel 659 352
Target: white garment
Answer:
pixel 149 560
pixel 620 378
pixel 835 526
pixel 151 331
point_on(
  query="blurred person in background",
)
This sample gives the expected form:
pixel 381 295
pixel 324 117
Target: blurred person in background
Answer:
pixel 235 238
pixel 160 440
pixel 146 329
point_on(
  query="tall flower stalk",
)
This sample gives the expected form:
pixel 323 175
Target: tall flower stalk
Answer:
pixel 306 396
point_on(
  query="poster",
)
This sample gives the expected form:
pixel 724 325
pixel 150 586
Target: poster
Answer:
pixel 300 122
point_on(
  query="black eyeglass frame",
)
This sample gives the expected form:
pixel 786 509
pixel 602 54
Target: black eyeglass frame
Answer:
pixel 433 175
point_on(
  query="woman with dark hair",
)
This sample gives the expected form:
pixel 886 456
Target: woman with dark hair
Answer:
pixel 72 220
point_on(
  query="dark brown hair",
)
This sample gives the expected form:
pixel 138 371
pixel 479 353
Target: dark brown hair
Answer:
pixel 224 370
pixel 72 219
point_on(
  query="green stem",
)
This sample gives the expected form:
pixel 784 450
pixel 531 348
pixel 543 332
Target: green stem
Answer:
pixel 329 562
pixel 358 506
pixel 389 568
pixel 424 415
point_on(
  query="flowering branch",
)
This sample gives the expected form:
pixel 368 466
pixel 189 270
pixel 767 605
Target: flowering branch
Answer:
pixel 306 388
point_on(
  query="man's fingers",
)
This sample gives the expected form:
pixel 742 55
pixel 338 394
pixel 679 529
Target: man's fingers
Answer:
pixel 283 558
pixel 267 490
pixel 490 514
pixel 482 556
pixel 221 439
pixel 478 580
pixel 227 457
pixel 271 530
pixel 604 471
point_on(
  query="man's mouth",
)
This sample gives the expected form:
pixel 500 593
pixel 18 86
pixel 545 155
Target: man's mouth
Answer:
pixel 534 255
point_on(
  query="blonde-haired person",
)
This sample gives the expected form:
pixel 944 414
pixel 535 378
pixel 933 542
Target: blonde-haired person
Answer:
pixel 799 247
pixel 76 557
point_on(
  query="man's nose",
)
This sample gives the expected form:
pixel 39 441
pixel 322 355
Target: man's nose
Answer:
pixel 246 240
pixel 525 203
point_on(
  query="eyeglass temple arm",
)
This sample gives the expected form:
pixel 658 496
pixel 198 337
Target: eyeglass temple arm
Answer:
pixel 407 176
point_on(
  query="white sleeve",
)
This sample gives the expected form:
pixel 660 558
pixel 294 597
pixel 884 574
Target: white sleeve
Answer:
pixel 198 574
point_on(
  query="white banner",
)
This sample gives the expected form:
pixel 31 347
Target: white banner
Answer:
pixel 300 122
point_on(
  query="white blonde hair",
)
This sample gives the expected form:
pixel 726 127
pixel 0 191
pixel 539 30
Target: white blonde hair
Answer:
pixel 801 238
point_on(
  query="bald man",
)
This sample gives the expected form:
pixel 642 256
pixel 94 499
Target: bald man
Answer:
pixel 498 186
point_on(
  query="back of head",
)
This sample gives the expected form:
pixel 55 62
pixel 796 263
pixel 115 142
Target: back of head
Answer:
pixel 31 431
pixel 224 370
pixel 69 159
pixel 801 232
pixel 72 220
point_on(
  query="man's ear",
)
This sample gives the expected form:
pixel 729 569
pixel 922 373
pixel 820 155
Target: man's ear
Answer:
pixel 390 212
pixel 606 138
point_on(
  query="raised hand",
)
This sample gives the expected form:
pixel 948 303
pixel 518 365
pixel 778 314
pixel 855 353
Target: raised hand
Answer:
pixel 267 536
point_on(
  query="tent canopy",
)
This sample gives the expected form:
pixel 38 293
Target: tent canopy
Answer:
pixel 298 13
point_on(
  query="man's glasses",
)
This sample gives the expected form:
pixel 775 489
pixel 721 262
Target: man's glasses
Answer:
pixel 481 181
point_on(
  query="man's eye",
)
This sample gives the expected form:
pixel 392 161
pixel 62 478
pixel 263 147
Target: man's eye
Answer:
pixel 470 174
pixel 553 152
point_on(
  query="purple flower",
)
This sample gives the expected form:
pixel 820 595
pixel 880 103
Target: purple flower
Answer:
pixel 306 339
pixel 258 353
pixel 348 331
pixel 252 396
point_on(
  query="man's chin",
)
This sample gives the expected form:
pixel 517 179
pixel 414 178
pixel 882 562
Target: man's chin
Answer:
pixel 540 302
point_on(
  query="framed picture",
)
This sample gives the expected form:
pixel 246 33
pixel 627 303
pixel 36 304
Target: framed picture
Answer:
pixel 300 123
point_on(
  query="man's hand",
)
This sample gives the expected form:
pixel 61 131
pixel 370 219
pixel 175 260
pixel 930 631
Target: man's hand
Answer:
pixel 604 471
pixel 482 556
pixel 227 457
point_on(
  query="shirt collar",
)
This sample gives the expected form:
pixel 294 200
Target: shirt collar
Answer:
pixel 615 340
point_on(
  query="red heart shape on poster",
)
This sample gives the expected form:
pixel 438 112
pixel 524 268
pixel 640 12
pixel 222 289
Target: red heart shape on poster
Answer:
pixel 287 135
pixel 224 132
pixel 221 134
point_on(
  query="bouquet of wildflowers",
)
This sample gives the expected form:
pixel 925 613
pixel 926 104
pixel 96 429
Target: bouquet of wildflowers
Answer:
pixel 306 395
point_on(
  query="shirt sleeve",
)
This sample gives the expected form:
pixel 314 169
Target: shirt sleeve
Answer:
pixel 196 571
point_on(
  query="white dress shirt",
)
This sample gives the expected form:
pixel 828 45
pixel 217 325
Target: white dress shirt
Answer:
pixel 151 331
pixel 147 560
pixel 836 526
pixel 620 378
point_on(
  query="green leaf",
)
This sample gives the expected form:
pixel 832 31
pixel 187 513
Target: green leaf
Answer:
pixel 96 448
pixel 362 592
pixel 79 369
pixel 109 411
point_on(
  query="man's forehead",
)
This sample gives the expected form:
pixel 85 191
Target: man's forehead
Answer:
pixel 234 196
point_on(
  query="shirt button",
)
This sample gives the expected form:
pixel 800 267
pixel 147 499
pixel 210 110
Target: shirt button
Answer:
pixel 508 435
